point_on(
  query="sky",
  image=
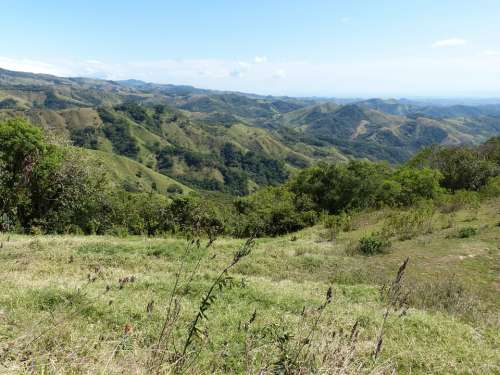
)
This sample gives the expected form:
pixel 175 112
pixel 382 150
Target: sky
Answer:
pixel 356 48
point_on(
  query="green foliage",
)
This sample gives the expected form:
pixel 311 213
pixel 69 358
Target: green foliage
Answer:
pixel 87 137
pixel 492 188
pixel 337 187
pixel 409 223
pixel 236 167
pixel 27 163
pixel 52 188
pixel 174 189
pixel 364 184
pixel 461 167
pixel 117 130
pixel 461 199
pixel 466 232
pixel 373 244
pixel 334 224
pixel 415 184
pixel 272 212
pixel 491 150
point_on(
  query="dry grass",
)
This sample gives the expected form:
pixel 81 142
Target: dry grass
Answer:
pixel 63 309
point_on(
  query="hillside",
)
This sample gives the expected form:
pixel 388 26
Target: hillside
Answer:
pixel 133 176
pixel 102 301
pixel 233 142
pixel 384 134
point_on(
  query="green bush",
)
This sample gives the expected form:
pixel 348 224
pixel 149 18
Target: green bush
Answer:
pixel 416 184
pixel 466 232
pixel 462 167
pixel 461 199
pixel 409 223
pixel 174 189
pixel 334 224
pixel 492 188
pixel 338 187
pixel 272 212
pixel 372 244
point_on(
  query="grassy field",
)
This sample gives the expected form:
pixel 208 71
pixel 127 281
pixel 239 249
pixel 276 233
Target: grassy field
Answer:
pixel 96 305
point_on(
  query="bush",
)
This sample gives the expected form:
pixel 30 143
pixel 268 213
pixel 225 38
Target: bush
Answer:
pixel 461 199
pixel 334 224
pixel 373 244
pixel 461 167
pixel 466 232
pixel 417 184
pixel 492 188
pixel 174 189
pixel 337 187
pixel 271 212
pixel 410 223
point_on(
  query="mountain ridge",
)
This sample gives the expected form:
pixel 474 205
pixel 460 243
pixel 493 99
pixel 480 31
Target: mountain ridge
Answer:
pixel 192 135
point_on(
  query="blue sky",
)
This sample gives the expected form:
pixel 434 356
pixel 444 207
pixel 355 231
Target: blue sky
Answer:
pixel 294 47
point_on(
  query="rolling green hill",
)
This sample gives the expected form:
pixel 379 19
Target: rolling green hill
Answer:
pixel 360 131
pixel 133 176
pixel 229 141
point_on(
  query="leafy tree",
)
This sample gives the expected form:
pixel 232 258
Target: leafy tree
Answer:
pixel 43 184
pixel 24 159
pixel 271 212
pixel 337 187
pixel 416 184
pixel 461 167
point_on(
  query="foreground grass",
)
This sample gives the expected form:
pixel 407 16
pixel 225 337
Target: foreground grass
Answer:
pixel 63 309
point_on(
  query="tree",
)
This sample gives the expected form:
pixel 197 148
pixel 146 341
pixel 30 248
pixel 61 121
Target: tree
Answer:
pixel 24 157
pixel 46 185
pixel 461 167
pixel 337 187
pixel 416 184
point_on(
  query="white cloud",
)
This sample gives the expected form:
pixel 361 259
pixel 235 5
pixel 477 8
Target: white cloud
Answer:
pixel 260 59
pixel 491 52
pixel 26 65
pixel 279 73
pixel 452 42
pixel 244 64
pixel 346 20
pixel 412 76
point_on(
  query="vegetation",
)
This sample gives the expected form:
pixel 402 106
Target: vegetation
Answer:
pixel 372 244
pixel 46 187
pixel 232 236
pixel 103 301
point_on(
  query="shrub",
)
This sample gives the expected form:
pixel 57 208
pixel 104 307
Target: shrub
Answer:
pixel 409 223
pixel 466 232
pixel 337 187
pixel 461 167
pixel 492 188
pixel 417 184
pixel 174 189
pixel 334 224
pixel 373 244
pixel 461 199
pixel 271 212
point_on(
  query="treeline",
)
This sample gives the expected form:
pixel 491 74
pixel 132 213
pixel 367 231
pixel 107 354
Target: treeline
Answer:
pixel 50 188
pixel 436 173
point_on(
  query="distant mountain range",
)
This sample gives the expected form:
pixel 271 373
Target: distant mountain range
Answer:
pixel 231 141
